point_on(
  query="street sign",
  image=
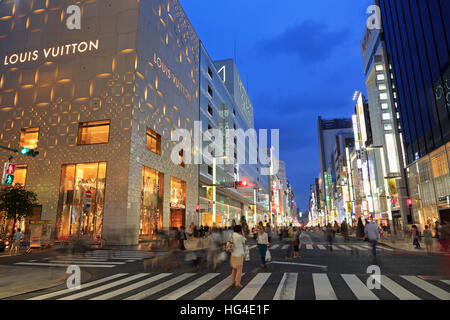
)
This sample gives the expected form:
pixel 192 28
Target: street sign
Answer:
pixel 227 184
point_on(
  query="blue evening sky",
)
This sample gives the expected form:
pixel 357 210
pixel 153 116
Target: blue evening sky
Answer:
pixel 302 59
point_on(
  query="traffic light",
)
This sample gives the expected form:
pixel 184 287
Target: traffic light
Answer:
pixel 197 208
pixel 28 152
pixel 241 184
pixel 8 174
pixel 410 203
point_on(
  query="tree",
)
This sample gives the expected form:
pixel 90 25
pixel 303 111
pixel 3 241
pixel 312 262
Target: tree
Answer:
pixel 17 203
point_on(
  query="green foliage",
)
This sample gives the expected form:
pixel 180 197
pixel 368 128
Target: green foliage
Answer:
pixel 17 202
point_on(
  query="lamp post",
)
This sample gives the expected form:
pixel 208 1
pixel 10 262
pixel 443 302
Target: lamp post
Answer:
pixel 214 187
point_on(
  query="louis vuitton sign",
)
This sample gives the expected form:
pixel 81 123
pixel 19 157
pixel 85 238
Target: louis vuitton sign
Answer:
pixel 51 52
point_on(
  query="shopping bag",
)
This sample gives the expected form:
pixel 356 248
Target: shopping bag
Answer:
pixel 222 256
pixel 268 256
pixel 247 253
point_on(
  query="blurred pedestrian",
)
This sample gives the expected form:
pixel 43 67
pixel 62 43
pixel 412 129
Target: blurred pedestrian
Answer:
pixel 373 235
pixel 288 239
pixel 428 237
pixel 15 246
pixel 269 232
pixel 329 235
pixel 263 243
pixel 415 234
pixel 296 243
pixel 237 240
pixel 214 245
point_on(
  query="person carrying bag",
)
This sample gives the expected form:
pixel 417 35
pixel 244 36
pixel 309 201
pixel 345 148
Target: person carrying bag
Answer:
pixel 236 245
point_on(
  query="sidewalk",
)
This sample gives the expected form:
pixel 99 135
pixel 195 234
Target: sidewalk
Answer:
pixel 16 280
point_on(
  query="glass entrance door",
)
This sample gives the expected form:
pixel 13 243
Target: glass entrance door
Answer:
pixel 81 200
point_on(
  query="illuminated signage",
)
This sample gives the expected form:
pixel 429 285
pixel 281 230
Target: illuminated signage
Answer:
pixel 51 52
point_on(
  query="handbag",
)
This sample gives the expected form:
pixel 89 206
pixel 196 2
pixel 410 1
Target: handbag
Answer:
pixel 268 256
pixel 229 245
pixel 246 253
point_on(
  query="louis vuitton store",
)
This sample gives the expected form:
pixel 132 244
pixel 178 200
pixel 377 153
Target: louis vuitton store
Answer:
pixel 100 105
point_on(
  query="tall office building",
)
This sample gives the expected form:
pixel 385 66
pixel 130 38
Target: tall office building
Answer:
pixel 328 131
pixel 417 41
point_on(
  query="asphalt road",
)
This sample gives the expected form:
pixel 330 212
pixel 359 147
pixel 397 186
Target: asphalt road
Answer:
pixel 318 274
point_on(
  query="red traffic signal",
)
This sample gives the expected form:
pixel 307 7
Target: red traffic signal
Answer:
pixel 197 208
pixel 241 184
pixel 410 203
pixel 11 168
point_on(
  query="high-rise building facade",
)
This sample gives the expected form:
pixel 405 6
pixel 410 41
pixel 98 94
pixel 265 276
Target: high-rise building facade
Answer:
pixel 417 42
pixel 100 105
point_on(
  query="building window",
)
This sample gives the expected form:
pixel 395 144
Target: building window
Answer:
pixel 387 127
pixel 235 171
pixel 153 141
pixel 209 127
pixel 234 126
pixel 20 175
pixel 381 77
pixel 384 106
pixel 210 170
pixel 383 96
pixel 181 158
pixel 210 91
pixel 210 72
pixel 379 67
pixel 382 87
pixel 210 110
pixel 81 200
pixel 29 138
pixel 94 132
pixel 386 116
pixel 234 112
pixel 152 195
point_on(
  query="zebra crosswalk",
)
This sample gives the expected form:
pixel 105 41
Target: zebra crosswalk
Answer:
pixel 216 286
pixel 323 247
pixel 94 259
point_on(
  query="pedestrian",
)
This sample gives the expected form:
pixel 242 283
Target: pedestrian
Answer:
pixel 269 232
pixel 201 231
pixel 329 234
pixel 428 237
pixel 296 243
pixel 237 240
pixel 415 234
pixel 288 239
pixel 373 235
pixel 15 246
pixel 280 233
pixel 190 230
pixel 182 238
pixel 263 243
pixel 214 245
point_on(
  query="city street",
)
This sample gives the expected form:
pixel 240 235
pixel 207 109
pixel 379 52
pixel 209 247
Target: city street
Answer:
pixel 317 275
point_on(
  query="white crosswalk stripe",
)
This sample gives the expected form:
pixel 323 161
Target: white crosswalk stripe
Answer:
pixel 274 246
pixel 81 262
pixel 287 287
pixel 345 247
pixel 309 247
pixel 397 290
pixel 176 286
pixel 250 291
pixel 360 290
pixel 321 247
pixel 189 287
pixel 428 287
pixel 146 293
pixel 322 287
pixel 83 286
pixel 217 290
pixel 131 287
pixel 285 247
pixel 252 247
pixel 43 264
pixel 104 287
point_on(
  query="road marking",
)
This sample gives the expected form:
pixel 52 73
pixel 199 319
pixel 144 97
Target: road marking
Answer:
pixel 428 287
pixel 104 287
pixel 275 246
pixel 345 247
pixel 144 294
pixel 321 247
pixel 83 286
pixel 251 290
pixel 322 287
pixel 285 246
pixel 299 264
pixel 133 286
pixel 130 260
pixel 309 246
pixel 217 290
pixel 397 290
pixel 446 282
pixel 336 248
pixel 79 259
pixel 286 289
pixel 252 247
pixel 80 262
pixel 360 290
pixel 189 287
pixel 63 265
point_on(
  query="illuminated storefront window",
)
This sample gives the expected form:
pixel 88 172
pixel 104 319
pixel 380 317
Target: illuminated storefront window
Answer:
pixel 29 138
pixel 20 175
pixel 93 132
pixel 81 200
pixel 152 193
pixel 177 203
